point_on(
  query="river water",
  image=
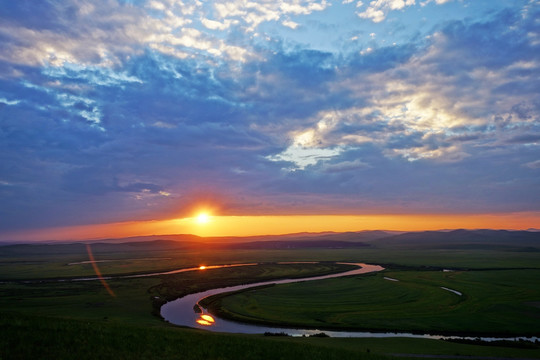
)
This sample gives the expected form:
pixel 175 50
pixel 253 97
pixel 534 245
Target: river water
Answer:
pixel 181 312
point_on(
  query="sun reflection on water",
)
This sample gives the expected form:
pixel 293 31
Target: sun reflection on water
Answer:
pixel 206 320
pixel 203 322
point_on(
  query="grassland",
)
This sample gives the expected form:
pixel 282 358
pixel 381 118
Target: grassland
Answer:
pixel 70 261
pixel 47 319
pixel 35 337
pixel 136 299
pixel 496 302
pixel 53 338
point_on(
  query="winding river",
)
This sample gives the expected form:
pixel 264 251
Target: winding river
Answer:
pixel 181 312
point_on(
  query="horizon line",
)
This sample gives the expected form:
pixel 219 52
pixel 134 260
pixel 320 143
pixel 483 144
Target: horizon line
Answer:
pixel 115 239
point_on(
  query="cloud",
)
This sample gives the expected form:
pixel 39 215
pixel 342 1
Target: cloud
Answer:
pixel 73 106
pixel 346 166
pixel 107 33
pixel 533 164
pixel 135 110
pixel 525 139
pixel 253 13
pixel 377 10
pixel 442 104
pixel 94 75
pixel 301 157
pixel 9 102
pixel 290 24
pixel 216 25
pixel 432 95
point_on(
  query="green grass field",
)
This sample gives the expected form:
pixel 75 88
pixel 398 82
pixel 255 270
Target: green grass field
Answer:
pixel 35 337
pixel 28 263
pixel 498 302
pixel 65 320
pixel 135 299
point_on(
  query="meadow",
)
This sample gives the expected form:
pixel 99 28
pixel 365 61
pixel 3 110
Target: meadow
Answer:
pixel 41 317
pixel 492 302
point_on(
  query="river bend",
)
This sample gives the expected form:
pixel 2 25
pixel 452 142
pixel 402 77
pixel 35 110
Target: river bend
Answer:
pixel 181 312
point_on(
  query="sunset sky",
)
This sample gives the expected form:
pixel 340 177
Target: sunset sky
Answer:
pixel 126 117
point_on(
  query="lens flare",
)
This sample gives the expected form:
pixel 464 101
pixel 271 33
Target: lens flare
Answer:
pixel 98 273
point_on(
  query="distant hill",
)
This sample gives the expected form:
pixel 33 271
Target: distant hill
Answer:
pixel 454 239
pixel 98 247
pixel 465 239
pixel 288 244
pixel 305 236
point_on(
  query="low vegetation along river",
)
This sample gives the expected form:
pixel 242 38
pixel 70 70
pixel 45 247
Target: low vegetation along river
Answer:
pixel 181 312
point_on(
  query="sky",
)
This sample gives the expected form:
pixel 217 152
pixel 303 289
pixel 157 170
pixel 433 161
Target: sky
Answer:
pixel 116 113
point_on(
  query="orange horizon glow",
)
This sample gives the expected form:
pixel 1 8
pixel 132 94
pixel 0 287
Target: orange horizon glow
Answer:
pixel 247 225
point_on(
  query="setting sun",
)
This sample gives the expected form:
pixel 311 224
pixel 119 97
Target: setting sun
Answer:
pixel 203 218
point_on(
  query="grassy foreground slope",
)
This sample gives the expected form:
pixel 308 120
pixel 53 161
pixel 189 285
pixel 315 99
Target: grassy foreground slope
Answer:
pixel 35 337
pixel 52 338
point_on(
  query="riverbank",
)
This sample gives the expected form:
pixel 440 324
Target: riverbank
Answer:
pixel 417 304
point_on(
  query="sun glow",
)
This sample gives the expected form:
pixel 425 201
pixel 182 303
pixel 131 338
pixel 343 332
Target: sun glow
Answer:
pixel 203 218
pixel 202 267
pixel 274 224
